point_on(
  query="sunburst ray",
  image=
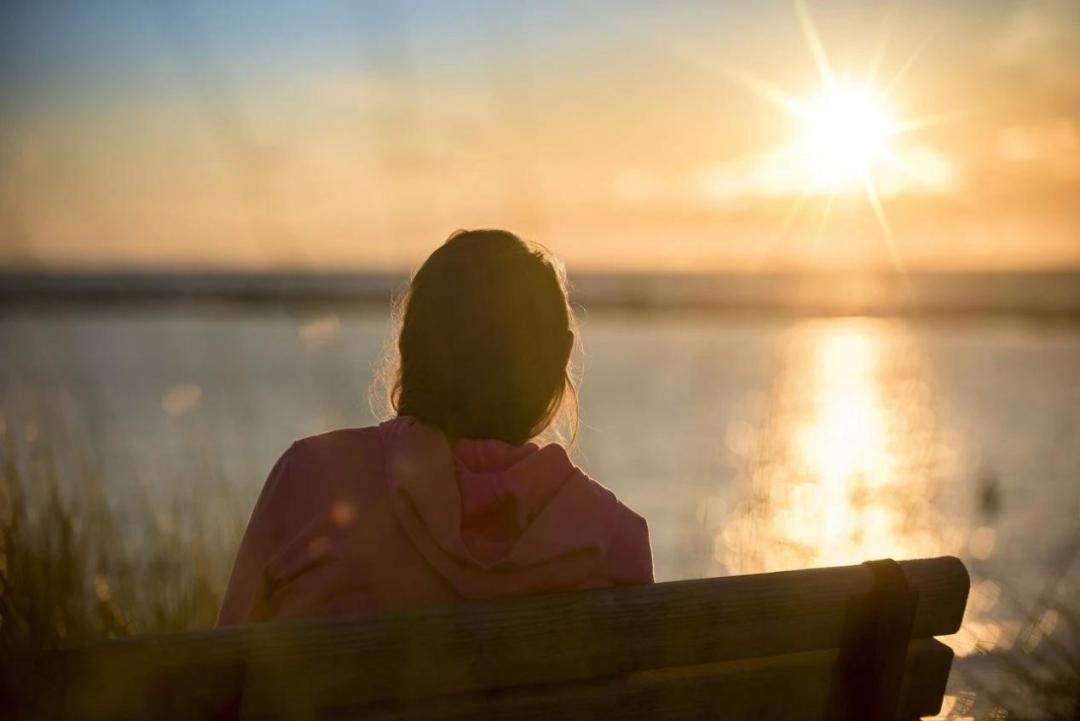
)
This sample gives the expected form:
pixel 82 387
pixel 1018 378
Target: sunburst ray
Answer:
pixel 813 40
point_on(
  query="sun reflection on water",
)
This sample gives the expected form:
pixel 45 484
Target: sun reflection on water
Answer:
pixel 847 469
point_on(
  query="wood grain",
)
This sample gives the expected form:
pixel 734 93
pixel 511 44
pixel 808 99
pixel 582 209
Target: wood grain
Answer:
pixel 562 637
pixel 791 687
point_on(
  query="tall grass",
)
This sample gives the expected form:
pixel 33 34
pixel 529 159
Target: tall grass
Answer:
pixel 67 578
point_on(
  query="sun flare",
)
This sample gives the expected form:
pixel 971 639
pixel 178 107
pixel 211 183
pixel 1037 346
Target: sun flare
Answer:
pixel 844 134
pixel 848 140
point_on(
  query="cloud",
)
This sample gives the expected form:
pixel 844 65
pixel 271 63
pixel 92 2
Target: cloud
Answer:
pixel 913 169
pixel 1039 37
pixel 1052 145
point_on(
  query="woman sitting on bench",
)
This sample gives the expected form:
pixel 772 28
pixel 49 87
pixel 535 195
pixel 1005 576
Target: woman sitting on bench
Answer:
pixel 450 499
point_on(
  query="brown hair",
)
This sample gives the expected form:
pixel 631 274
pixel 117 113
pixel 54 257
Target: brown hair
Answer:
pixel 484 340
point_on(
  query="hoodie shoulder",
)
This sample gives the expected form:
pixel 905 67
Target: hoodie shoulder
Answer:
pixel 348 461
pixel 343 440
pixel 629 561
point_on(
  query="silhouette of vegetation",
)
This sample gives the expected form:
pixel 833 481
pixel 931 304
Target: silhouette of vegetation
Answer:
pixel 66 577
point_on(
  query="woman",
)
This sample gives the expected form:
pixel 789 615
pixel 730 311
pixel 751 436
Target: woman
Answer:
pixel 450 499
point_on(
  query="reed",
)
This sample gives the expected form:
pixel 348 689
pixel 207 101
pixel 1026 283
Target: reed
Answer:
pixel 66 576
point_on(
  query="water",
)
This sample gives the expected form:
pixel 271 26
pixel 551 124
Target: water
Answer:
pixel 750 444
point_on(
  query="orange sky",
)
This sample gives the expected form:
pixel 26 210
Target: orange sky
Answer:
pixel 623 136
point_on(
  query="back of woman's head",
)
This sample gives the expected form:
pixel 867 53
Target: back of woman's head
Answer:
pixel 485 340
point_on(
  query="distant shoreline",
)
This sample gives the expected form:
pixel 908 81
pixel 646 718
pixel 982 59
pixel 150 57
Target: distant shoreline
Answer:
pixel 1053 294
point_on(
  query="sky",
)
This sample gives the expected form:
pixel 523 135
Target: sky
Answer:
pixel 675 136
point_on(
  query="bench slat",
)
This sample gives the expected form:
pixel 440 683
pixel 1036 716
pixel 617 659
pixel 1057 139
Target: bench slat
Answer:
pixel 541 639
pixel 793 687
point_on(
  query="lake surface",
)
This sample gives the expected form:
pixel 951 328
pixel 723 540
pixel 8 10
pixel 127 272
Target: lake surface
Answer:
pixel 749 443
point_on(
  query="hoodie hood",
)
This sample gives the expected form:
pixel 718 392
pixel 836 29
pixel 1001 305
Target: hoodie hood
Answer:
pixel 493 518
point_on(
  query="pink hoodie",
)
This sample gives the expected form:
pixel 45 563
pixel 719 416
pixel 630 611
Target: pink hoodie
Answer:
pixel 394 515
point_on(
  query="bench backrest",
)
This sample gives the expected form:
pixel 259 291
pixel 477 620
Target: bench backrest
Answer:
pixel 757 646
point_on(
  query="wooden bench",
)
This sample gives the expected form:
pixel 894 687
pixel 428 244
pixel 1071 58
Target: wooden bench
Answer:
pixel 845 642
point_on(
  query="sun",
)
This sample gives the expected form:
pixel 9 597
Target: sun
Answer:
pixel 848 140
pixel 843 134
